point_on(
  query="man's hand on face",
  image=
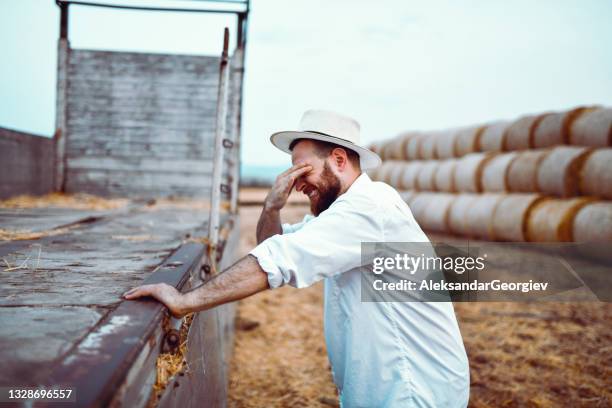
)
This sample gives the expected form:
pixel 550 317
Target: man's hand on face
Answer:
pixel 166 294
pixel 278 195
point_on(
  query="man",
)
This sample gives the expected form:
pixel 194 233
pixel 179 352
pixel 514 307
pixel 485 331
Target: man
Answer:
pixel 383 354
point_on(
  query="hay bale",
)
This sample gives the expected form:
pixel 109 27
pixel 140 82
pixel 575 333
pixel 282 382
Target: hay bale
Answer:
pixel 559 172
pixel 523 171
pixel 445 144
pixel 383 171
pixel 403 149
pixel 511 215
pixel 495 172
pixel 519 135
pixel 392 149
pixel 553 129
pixel 395 174
pixel 593 223
pixel 552 220
pixel 468 172
pixel 479 215
pixel 408 195
pixel 416 204
pixel 457 213
pixel 592 128
pixel 409 175
pixel 444 179
pixel 431 210
pixel 427 146
pixel 468 140
pixel 492 137
pixel 425 180
pixel 596 174
pixel 376 147
pixel 411 147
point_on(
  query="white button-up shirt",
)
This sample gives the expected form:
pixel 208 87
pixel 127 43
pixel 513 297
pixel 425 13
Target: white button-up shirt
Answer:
pixel 383 354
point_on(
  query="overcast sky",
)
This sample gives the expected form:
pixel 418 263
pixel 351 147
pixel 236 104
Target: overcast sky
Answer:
pixel 393 65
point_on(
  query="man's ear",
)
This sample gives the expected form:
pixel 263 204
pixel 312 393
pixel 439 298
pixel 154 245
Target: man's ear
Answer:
pixel 340 158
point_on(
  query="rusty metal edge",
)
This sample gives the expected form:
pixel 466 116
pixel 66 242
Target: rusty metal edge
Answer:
pixel 99 363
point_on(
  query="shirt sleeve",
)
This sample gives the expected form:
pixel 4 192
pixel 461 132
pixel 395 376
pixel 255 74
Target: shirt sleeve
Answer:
pixel 324 246
pixel 290 228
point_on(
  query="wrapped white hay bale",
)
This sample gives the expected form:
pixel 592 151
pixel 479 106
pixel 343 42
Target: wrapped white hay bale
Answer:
pixel 395 174
pixel 593 224
pixel 553 129
pixel 425 180
pixel 468 172
pixel 411 147
pixel 431 210
pixel 523 171
pixel 407 195
pixel 409 175
pixel 596 174
pixel 479 215
pixel 405 137
pixel 427 146
pixel 559 172
pixel 376 147
pixel 519 135
pixel 445 144
pixel 511 216
pixel 457 213
pixel 495 172
pixel 492 137
pixel 592 128
pixel 444 180
pixel 373 173
pixel 383 171
pixel 393 149
pixel 552 220
pixel 416 204
pixel 468 140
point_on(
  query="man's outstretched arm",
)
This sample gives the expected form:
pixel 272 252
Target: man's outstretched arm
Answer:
pixel 243 279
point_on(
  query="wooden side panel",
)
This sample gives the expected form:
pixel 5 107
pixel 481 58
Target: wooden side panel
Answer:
pixel 26 163
pixel 140 125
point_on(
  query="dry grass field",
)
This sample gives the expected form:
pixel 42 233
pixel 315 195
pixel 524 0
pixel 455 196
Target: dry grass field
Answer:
pixel 521 355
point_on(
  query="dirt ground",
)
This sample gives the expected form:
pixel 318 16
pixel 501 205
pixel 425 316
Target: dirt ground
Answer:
pixel 533 355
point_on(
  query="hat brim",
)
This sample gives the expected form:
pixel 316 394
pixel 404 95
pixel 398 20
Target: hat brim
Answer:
pixel 367 158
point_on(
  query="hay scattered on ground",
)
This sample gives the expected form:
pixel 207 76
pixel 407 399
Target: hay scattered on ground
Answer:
pixel 24 235
pixel 538 354
pixel 279 359
pixel 75 201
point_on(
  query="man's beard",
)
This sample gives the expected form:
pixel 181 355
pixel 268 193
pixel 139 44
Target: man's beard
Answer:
pixel 328 190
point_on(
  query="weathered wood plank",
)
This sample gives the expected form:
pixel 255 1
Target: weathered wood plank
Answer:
pixel 26 163
pixel 32 338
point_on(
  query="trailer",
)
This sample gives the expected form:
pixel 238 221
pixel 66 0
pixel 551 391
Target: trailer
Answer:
pixel 141 178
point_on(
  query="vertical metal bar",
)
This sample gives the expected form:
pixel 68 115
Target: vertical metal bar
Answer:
pixel 63 55
pixel 238 70
pixel 213 225
pixel 63 20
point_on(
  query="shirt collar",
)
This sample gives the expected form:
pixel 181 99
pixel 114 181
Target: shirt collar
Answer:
pixel 361 183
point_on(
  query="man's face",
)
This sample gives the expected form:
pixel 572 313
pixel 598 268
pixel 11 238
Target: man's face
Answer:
pixel 320 184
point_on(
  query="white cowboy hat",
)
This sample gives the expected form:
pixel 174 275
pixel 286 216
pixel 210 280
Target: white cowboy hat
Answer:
pixel 328 127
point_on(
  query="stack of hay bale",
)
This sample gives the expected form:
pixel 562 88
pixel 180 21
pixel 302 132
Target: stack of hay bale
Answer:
pixel 540 178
